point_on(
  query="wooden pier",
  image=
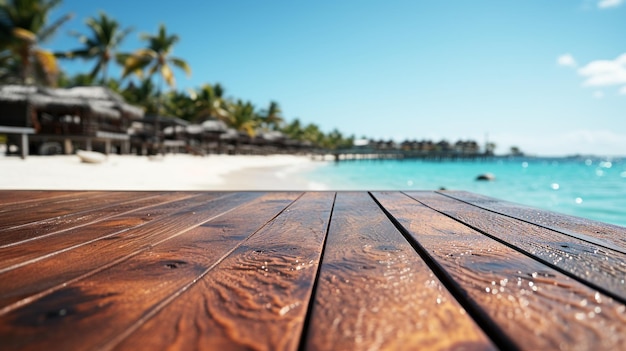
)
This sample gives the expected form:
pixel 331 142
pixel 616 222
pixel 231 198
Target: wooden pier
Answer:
pixel 368 155
pixel 304 270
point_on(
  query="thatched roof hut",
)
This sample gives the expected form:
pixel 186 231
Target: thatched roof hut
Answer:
pixel 74 111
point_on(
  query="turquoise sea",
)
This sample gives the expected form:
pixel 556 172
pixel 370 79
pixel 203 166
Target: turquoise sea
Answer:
pixel 593 188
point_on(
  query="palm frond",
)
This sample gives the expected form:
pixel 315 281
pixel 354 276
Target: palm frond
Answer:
pixel 47 33
pixel 25 35
pixel 135 63
pixel 96 69
pixel 168 76
pixel 46 60
pixel 180 63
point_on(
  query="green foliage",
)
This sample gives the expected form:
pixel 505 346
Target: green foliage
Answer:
pixel 516 151
pixel 181 105
pixel 155 58
pixel 145 94
pixel 312 134
pixel 23 26
pixel 105 37
pixel 80 79
pixel 271 118
pixel 210 103
pixel 242 117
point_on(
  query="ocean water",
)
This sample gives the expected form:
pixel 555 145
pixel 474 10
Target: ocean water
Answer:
pixel 592 188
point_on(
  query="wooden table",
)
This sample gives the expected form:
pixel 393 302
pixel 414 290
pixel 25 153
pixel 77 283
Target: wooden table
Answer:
pixel 314 270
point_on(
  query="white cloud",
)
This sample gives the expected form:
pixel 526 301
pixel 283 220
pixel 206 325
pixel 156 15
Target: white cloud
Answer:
pixel 605 4
pixel 598 94
pixel 604 72
pixel 566 60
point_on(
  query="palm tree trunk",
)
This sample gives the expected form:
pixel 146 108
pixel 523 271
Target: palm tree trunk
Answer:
pixel 25 58
pixel 157 122
pixel 104 69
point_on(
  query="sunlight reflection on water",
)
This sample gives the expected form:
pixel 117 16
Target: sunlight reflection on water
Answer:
pixel 590 188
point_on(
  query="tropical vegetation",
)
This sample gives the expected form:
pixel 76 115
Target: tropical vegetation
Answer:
pixel 102 45
pixel 23 29
pixel 147 76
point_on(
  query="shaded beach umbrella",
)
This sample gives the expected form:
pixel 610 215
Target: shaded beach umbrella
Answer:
pixel 230 134
pixel 213 125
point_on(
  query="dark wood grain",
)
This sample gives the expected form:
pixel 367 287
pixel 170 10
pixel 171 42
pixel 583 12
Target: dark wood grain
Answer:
pixel 602 267
pixel 256 298
pixel 375 292
pixel 14 197
pixel 604 234
pixel 537 307
pixel 103 306
pixel 17 215
pixel 239 270
pixel 53 271
pixel 46 242
pixel 55 199
pixel 96 213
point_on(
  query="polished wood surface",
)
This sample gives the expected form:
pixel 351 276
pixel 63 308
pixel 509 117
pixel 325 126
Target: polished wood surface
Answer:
pixel 304 270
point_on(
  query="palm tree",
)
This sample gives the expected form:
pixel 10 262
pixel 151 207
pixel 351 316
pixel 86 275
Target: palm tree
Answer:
pixel 210 102
pixel 79 79
pixel 106 36
pixel 294 130
pixel 271 117
pixel 243 118
pixel 142 95
pixel 313 134
pixel 336 140
pixel 23 26
pixel 156 58
pixel 181 105
pixel 516 151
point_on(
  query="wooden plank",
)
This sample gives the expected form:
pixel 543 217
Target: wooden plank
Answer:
pixel 53 271
pixel 103 306
pixel 97 212
pixel 38 243
pixel 604 234
pixel 375 292
pixel 534 305
pixel 24 214
pixel 600 267
pixel 13 197
pixel 54 199
pixel 256 298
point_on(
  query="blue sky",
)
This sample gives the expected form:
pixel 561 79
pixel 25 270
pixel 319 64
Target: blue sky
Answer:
pixel 546 76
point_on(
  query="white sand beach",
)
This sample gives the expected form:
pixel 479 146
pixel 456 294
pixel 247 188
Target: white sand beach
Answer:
pixel 169 172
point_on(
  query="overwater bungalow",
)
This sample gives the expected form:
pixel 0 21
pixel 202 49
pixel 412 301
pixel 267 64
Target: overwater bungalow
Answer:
pixel 410 149
pixel 62 120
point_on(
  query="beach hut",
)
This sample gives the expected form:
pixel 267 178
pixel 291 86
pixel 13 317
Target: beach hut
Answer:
pixel 212 129
pixel 172 134
pixel 205 137
pixel 232 140
pixel 62 119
